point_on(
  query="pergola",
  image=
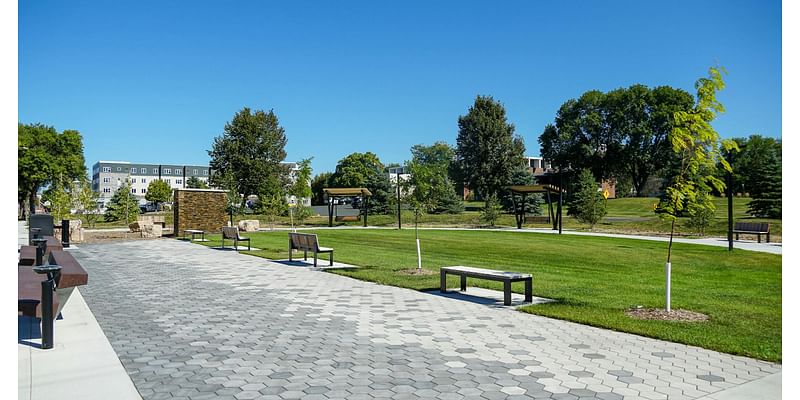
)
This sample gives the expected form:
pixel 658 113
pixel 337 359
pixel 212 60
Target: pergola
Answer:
pixel 333 193
pixel 523 190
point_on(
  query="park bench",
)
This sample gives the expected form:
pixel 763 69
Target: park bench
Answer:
pixel 506 277
pixel 348 218
pixel 232 233
pixel 29 287
pixel 194 233
pixel 756 228
pixel 537 219
pixel 307 242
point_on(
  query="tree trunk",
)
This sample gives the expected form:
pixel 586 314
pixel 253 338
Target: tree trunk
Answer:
pixel 32 202
pixel 639 183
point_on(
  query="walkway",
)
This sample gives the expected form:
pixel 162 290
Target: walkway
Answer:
pixel 190 322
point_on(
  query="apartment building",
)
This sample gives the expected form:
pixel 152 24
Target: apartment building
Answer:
pixel 108 176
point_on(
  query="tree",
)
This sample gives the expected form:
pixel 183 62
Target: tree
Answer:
pixel 44 156
pixel 588 205
pixel 430 182
pixel 487 150
pixel 766 194
pixel 697 147
pixel 251 150
pixel 60 201
pixel 123 205
pixel 317 184
pixel 158 192
pixel 195 183
pixel 700 217
pixel 301 187
pixel 491 210
pixel 87 203
pixel 365 170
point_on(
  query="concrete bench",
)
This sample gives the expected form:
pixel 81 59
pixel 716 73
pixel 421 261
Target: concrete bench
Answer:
pixel 755 228
pixel 232 233
pixel 506 277
pixel 307 242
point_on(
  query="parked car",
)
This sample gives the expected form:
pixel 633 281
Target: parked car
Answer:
pixel 147 207
pixel 356 202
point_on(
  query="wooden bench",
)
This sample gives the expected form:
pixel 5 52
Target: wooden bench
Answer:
pixel 506 277
pixel 307 242
pixel 537 219
pixel 232 233
pixel 348 218
pixel 755 228
pixel 29 284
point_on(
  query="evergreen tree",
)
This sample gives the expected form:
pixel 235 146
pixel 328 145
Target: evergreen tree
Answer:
pixel 588 205
pixel 491 210
pixel 196 183
pixel 766 194
pixel 123 205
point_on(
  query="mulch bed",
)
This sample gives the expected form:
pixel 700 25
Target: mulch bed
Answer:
pixel 660 314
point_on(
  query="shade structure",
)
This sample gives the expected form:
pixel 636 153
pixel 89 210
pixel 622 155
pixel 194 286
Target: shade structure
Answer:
pixel 524 190
pixel 333 193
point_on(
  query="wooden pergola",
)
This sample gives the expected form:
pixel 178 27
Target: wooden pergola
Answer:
pixel 333 193
pixel 523 190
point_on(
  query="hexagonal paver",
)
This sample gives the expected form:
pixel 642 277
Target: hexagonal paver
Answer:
pixel 512 390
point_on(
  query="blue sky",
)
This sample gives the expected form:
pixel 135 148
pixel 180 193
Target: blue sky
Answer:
pixel 157 81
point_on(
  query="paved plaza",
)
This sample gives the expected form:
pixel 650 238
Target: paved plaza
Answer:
pixel 191 322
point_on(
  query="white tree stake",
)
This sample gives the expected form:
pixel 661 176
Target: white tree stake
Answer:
pixel 669 284
pixel 419 257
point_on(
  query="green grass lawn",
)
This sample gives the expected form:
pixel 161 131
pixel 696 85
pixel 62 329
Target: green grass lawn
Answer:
pixel 594 279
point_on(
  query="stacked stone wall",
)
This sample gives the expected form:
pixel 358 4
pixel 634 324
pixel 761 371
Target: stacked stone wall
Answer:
pixel 199 209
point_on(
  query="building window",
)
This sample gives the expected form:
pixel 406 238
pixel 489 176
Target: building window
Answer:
pixel 133 180
pixel 155 171
pixel 133 191
pixel 133 170
pixel 178 171
pixel 167 171
pixel 106 169
pixel 194 172
pixel 144 180
pixel 106 190
pixel 107 180
pixel 144 191
pixel 119 169
pixel 166 180
pixel 178 181
pixel 205 172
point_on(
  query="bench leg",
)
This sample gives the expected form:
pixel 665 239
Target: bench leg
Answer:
pixel 305 255
pixel 290 249
pixel 331 260
pixel 759 237
pixel 529 290
pixel 507 293
pixel 442 281
pixel 737 236
pixel 315 259
pixel 767 237
pixel 463 283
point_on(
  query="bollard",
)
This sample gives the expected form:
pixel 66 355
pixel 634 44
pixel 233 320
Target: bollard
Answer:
pixel 65 233
pixel 34 234
pixel 48 287
pixel 41 249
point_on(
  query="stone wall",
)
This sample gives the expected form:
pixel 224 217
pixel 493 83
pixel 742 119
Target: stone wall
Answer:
pixel 199 209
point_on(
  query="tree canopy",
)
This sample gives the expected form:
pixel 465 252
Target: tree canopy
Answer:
pixel 301 187
pixel 251 150
pixel 487 150
pixel 432 188
pixel 196 183
pixel 123 205
pixel 45 157
pixel 365 170
pixel 158 192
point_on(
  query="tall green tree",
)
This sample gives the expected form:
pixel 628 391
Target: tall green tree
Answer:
pixel 365 170
pixel 487 150
pixel 320 181
pixel 301 187
pixel 698 148
pixel 123 205
pixel 251 150
pixel 430 184
pixel 765 191
pixel 158 192
pixel 196 183
pixel 44 157
pixel 588 204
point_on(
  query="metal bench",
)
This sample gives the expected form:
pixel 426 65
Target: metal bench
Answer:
pixel 307 242
pixel 232 233
pixel 195 232
pixel 506 277
pixel 755 228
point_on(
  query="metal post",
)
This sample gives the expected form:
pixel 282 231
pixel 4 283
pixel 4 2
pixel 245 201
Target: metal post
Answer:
pixel 399 224
pixel 730 204
pixel 48 286
pixel 366 210
pixel 65 233
pixel 560 198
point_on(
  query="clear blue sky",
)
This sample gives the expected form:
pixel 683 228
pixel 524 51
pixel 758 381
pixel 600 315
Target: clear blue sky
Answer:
pixel 156 81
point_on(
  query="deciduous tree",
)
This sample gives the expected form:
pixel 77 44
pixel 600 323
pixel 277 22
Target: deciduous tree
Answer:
pixel 158 192
pixel 365 170
pixel 430 185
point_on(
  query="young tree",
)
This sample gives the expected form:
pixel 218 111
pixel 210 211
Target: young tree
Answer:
pixel 43 157
pixel 272 207
pixel 60 201
pixel 491 210
pixel 588 205
pixel 697 147
pixel 87 203
pixel 123 205
pixel 195 183
pixel 430 182
pixel 158 192
pixel 251 150
pixel 487 150
pixel 301 187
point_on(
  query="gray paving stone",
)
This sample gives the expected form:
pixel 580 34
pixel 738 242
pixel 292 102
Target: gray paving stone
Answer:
pixel 192 322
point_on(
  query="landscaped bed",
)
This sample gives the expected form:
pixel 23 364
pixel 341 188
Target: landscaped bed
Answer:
pixel 595 279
